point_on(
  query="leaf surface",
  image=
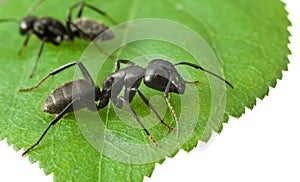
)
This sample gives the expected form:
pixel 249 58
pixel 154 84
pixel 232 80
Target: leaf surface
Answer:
pixel 249 39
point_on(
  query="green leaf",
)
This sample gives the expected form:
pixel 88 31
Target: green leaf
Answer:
pixel 249 39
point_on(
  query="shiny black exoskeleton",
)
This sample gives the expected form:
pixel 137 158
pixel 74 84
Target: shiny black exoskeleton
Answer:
pixel 83 93
pixel 49 29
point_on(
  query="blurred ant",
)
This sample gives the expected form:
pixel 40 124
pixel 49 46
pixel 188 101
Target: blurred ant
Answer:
pixel 160 75
pixel 48 29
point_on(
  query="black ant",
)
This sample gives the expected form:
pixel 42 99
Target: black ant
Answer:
pixel 159 75
pixel 48 29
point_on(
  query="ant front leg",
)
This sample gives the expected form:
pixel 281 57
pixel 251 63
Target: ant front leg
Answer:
pixel 119 101
pixel 38 57
pixel 166 95
pixel 133 113
pixel 25 42
pixel 149 105
pixel 84 72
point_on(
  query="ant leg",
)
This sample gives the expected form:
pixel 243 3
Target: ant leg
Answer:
pixel 166 94
pixel 25 42
pixel 149 105
pixel 69 20
pixel 118 62
pixel 138 120
pixel 69 13
pixel 38 57
pixel 53 122
pixel 109 18
pixel 205 70
pixel 54 72
pixel 82 5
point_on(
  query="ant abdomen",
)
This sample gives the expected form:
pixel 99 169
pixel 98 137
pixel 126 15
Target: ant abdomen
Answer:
pixel 60 98
pixel 90 30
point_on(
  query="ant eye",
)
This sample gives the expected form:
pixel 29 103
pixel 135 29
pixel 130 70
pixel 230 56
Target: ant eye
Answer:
pixel 23 25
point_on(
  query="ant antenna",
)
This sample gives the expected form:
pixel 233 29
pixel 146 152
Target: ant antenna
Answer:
pixel 9 20
pixel 33 6
pixel 205 70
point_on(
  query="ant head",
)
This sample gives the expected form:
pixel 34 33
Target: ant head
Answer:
pixel 26 24
pixel 158 75
pixel 177 84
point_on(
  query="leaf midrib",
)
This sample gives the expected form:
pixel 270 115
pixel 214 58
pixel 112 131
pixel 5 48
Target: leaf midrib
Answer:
pixel 132 14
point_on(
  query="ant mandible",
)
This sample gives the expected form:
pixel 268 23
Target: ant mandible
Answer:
pixel 51 30
pixel 159 75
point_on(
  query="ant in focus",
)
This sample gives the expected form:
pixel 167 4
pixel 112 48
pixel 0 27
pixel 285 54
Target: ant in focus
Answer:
pixel 159 75
pixel 51 30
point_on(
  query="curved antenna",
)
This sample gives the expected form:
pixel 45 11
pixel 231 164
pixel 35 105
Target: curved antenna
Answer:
pixel 33 6
pixel 9 20
pixel 205 70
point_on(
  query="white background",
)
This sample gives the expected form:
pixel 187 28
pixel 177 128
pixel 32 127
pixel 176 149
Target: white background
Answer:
pixel 263 145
